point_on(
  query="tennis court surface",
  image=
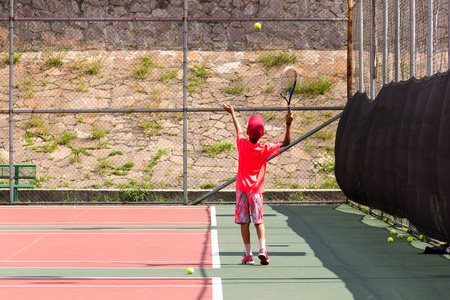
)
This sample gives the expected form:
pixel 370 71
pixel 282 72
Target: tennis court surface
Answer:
pixel 123 252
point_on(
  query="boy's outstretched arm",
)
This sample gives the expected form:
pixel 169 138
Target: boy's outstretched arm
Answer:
pixel 287 137
pixel 229 109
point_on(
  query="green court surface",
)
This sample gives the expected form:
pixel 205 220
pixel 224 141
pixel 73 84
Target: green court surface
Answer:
pixel 316 252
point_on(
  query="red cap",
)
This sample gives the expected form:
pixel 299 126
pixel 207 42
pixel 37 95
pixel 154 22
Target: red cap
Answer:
pixel 255 128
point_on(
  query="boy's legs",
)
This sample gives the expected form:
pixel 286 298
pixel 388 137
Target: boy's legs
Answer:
pixel 242 217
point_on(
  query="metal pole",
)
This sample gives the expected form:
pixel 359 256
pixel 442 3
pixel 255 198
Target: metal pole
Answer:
pixel 185 116
pixel 385 48
pixel 397 41
pixel 349 48
pixel 430 39
pixel 372 51
pixel 361 48
pixel 412 55
pixel 11 99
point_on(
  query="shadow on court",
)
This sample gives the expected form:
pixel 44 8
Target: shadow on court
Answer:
pixel 360 256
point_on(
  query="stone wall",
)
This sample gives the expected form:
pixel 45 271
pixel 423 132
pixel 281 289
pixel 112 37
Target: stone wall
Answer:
pixel 165 35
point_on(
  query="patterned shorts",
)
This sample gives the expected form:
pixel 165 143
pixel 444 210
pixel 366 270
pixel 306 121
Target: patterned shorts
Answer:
pixel 248 204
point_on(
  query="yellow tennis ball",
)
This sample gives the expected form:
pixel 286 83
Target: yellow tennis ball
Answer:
pixel 190 270
pixel 422 237
pixel 399 236
pixel 390 240
pixel 392 231
pixel 410 239
pixel 257 26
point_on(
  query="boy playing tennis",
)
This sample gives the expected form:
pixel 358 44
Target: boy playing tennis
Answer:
pixel 250 180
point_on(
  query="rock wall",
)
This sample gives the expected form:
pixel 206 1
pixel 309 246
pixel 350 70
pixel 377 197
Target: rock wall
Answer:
pixel 168 35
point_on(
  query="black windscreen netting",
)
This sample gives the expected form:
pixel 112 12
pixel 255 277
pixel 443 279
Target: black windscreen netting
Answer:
pixel 393 153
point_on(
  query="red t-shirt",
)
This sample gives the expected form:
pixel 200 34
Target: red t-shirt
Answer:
pixel 252 164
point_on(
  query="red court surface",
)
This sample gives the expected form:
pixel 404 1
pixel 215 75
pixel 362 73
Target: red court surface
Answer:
pixel 106 288
pixel 105 216
pixel 106 249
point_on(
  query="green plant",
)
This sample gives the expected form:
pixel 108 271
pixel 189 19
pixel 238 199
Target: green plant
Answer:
pixel 270 89
pixel 213 150
pixel 234 90
pixel 17 56
pixel 208 185
pixel 151 127
pixel 65 138
pixel 279 59
pixel 81 86
pixel 26 87
pixel 95 66
pixel 141 67
pixel 97 132
pixel 103 167
pixel 53 57
pixel 200 71
pixel 313 87
pixel 298 197
pixel 154 161
pixel 167 75
pixel 140 72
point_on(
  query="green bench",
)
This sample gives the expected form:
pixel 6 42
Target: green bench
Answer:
pixel 20 172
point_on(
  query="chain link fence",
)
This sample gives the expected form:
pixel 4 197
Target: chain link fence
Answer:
pixel 120 101
pixel 396 40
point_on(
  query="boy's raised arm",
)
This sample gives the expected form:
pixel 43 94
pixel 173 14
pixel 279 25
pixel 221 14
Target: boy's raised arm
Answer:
pixel 229 109
pixel 287 137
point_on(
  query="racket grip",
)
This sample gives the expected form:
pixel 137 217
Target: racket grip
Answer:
pixel 289 110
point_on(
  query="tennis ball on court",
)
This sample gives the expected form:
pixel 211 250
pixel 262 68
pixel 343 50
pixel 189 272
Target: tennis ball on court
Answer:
pixel 392 231
pixel 190 270
pixel 399 236
pixel 410 239
pixel 422 237
pixel 390 240
pixel 257 26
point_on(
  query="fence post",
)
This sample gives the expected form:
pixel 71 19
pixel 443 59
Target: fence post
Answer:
pixel 430 39
pixel 361 48
pixel 412 56
pixel 349 48
pixel 11 99
pixel 185 153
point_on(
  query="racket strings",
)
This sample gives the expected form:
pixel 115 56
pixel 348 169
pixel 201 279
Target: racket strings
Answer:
pixel 287 80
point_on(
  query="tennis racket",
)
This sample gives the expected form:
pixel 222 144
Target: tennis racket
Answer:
pixel 286 85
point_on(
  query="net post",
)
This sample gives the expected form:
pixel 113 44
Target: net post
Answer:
pixel 11 104
pixel 349 48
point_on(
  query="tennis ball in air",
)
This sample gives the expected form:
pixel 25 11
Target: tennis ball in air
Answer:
pixel 257 26
pixel 392 231
pixel 422 237
pixel 190 270
pixel 390 240
pixel 410 239
pixel 399 236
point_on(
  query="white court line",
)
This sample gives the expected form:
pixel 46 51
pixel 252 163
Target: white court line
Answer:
pixel 217 288
pixel 215 249
pixel 213 216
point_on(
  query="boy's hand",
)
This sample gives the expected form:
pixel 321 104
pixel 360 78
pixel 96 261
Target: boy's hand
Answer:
pixel 289 117
pixel 228 108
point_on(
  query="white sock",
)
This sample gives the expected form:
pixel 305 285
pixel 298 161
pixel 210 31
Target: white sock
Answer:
pixel 248 250
pixel 262 244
